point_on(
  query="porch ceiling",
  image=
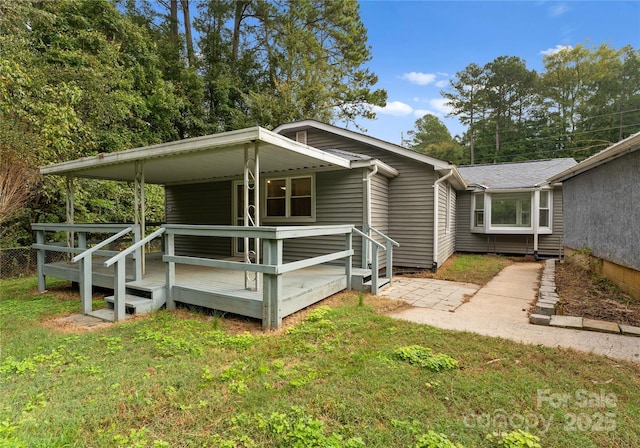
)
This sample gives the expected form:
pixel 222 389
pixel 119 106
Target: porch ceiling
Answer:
pixel 202 158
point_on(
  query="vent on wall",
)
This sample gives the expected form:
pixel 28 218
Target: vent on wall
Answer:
pixel 301 137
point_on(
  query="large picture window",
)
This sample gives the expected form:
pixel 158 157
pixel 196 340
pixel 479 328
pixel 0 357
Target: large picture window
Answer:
pixel 291 198
pixel 511 210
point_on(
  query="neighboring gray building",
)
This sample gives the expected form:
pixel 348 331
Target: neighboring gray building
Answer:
pixel 511 208
pixel 602 211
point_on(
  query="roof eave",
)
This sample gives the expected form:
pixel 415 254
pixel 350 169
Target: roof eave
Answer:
pixel 391 147
pixel 615 151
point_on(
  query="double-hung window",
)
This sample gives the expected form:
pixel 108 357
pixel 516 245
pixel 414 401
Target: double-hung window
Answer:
pixel 544 215
pixel 290 198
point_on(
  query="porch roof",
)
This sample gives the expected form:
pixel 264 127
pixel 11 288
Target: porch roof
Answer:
pixel 201 158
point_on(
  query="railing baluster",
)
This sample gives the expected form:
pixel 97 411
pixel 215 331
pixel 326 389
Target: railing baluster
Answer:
pixel 119 291
pixel 348 245
pixel 170 271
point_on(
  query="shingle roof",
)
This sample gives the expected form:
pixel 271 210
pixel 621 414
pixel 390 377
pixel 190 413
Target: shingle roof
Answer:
pixel 514 175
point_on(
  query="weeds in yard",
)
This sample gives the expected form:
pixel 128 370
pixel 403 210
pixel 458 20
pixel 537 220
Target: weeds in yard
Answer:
pixel 178 379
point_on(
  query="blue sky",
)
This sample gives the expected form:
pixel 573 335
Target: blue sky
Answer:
pixel 418 46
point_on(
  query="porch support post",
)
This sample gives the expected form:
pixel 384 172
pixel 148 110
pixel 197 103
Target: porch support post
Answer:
pixel 70 206
pixel 119 291
pixel 170 270
pixel 139 213
pixel 251 212
pixel 85 279
pixel 348 245
pixel 272 288
pixel 41 255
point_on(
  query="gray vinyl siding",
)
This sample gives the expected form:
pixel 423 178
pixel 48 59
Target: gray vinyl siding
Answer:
pixel 206 203
pixel 380 211
pixel 410 198
pixel 549 245
pixel 602 210
pixel 446 239
pixel 339 200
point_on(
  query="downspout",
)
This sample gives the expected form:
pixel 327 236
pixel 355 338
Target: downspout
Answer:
pixel 436 218
pixel 367 218
pixel 536 221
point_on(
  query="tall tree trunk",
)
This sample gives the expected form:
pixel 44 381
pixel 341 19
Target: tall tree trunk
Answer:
pixel 191 56
pixel 241 6
pixel 173 29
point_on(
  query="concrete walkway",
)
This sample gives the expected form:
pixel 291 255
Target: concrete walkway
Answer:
pixel 500 309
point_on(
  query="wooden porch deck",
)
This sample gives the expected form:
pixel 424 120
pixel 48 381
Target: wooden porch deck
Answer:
pixel 215 288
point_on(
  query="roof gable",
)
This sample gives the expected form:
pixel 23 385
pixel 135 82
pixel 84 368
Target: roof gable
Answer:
pixel 439 165
pixel 514 175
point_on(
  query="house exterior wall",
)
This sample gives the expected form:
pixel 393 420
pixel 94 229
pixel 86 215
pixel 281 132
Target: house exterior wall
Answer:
pixel 380 211
pixel 447 212
pixel 602 211
pixel 204 204
pixel 339 200
pixel 466 241
pixel 410 198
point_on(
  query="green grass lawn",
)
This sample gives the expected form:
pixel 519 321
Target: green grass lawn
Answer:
pixel 471 268
pixel 333 378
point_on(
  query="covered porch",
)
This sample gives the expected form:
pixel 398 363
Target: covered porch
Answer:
pixel 260 281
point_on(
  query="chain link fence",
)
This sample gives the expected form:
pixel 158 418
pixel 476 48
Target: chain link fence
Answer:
pixel 21 261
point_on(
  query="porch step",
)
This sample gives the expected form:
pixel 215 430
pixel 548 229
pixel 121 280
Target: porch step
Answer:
pixel 382 282
pixel 133 304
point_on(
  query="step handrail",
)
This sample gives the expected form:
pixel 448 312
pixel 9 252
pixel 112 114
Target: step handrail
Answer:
pixel 101 244
pixel 371 240
pixel 134 247
pixel 392 241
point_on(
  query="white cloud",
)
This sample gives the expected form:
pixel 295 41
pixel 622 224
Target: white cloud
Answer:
pixel 395 108
pixel 554 50
pixel 442 83
pixel 440 105
pixel 421 79
pixel 558 9
pixel 419 113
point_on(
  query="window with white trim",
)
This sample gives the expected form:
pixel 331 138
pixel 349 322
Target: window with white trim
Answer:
pixel 291 198
pixel 544 214
pixel 511 212
pixel 478 210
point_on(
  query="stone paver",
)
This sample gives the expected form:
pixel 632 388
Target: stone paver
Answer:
pixel 600 325
pixel 628 329
pixel 501 309
pixel 430 293
pixel 566 321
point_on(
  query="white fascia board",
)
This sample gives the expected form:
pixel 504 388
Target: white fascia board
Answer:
pixel 456 179
pixel 160 150
pixel 196 144
pixel 383 168
pixel 619 149
pixel 291 145
pixel 390 147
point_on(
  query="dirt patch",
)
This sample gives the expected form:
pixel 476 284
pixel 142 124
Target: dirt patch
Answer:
pixel 583 293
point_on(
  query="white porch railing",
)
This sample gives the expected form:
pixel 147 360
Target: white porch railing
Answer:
pixel 271 267
pixel 85 253
pixel 119 274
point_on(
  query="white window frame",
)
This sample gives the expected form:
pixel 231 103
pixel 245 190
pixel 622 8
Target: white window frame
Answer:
pixel 489 228
pixel 288 218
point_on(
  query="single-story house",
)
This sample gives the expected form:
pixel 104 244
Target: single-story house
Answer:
pixel 511 208
pixel 602 212
pixel 265 203
pixel 256 220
